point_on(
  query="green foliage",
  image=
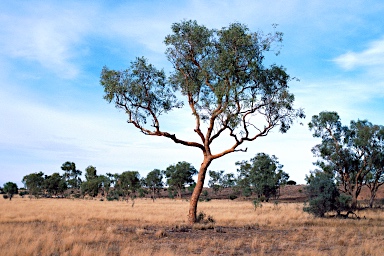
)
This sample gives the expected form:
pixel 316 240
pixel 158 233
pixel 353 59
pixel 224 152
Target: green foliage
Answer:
pixel 257 203
pixel 93 182
pixel 128 183
pixel 34 183
pixel 23 193
pixel 203 218
pixel 215 181
pixel 71 174
pixel 204 196
pixel 10 188
pixel 324 196
pixel 355 153
pixel 180 175
pixel 154 182
pixel 113 195
pixel 55 184
pixel 232 196
pixel 218 180
pixel 191 187
pixel 222 78
pixel 263 175
pixel 291 182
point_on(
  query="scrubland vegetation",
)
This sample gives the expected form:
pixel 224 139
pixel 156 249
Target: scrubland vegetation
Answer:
pixel 93 227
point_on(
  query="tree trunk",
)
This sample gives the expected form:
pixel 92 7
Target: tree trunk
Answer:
pixel 373 195
pixel 197 190
pixel 354 200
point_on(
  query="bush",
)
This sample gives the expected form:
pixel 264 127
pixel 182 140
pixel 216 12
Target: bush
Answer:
pixel 5 196
pixel 257 204
pixel 291 182
pixel 232 196
pixel 203 218
pixel 322 192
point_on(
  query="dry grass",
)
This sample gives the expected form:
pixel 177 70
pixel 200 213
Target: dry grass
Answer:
pixel 86 227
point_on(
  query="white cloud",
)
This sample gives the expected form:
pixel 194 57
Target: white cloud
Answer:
pixel 49 35
pixel 373 56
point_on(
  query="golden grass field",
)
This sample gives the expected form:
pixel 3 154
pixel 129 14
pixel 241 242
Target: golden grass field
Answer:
pixel 92 227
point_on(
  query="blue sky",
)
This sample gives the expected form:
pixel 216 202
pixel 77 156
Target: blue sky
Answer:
pixel 51 103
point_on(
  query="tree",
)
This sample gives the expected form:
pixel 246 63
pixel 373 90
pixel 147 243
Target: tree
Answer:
pixel 220 180
pixel 352 153
pixel 71 174
pixel 221 75
pixel 263 175
pixel 105 183
pixel 93 182
pixel 179 175
pixel 10 188
pixel 216 180
pixel 375 177
pixel 34 183
pixel 154 181
pixel 55 184
pixel 129 182
pixel 322 193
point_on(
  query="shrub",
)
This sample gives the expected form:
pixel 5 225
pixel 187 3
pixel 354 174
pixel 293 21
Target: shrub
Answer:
pixel 257 204
pixel 291 182
pixel 324 196
pixel 232 196
pixel 203 218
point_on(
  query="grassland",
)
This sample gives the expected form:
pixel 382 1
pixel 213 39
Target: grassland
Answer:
pixel 91 227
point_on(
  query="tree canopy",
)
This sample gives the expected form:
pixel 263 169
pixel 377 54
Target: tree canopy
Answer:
pixel 221 76
pixel 262 175
pixel 354 153
pixel 10 188
pixel 179 175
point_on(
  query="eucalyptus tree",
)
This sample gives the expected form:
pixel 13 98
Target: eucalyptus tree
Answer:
pixel 219 74
pixel 10 188
pixel 34 183
pixel 262 175
pixel 55 184
pixel 72 175
pixel 92 182
pixel 216 180
pixel 178 175
pixel 128 183
pixel 154 181
pixel 375 176
pixel 353 153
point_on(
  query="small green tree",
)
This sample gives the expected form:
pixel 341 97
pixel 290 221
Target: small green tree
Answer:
pixel 71 174
pixel 154 181
pixel 216 180
pixel 322 192
pixel 10 189
pixel 263 175
pixel 179 175
pixel 92 184
pixel 128 183
pixel 55 184
pixel 105 182
pixel 324 195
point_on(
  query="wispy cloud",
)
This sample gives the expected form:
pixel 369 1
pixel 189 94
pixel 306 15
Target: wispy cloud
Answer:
pixel 372 56
pixel 49 35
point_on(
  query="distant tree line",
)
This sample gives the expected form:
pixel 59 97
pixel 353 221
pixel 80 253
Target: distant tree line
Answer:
pixel 261 177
